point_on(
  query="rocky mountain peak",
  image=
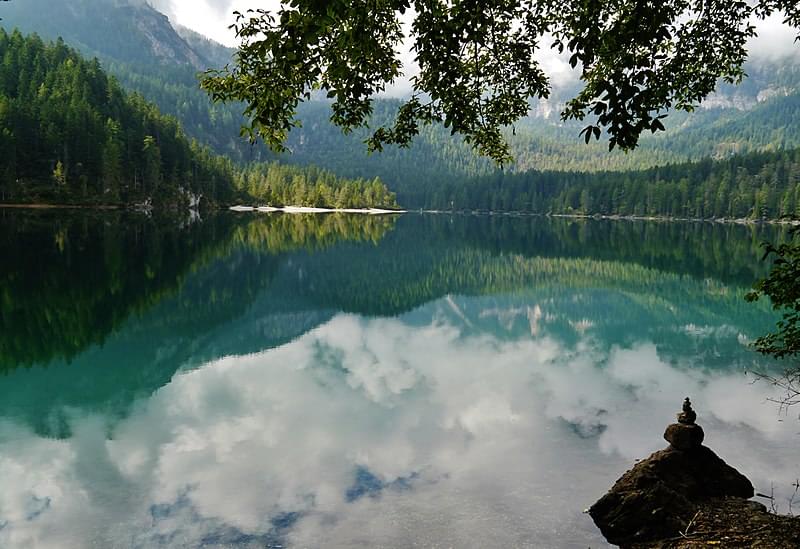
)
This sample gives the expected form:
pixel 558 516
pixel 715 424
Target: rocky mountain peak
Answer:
pixel 128 31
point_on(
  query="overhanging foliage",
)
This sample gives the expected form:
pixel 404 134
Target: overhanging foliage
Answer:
pixel 477 65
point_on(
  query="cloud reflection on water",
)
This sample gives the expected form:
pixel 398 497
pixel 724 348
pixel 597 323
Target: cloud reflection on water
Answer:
pixel 449 438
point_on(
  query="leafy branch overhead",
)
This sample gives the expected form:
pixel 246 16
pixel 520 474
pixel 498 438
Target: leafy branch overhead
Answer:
pixel 478 69
pixel 782 286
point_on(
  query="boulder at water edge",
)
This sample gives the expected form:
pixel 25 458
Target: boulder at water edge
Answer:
pixel 660 495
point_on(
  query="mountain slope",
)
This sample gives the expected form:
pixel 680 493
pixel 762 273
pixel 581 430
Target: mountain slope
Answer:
pixel 126 30
pixel 68 133
pixel 762 185
pixel 215 54
pixel 147 54
pixel 140 47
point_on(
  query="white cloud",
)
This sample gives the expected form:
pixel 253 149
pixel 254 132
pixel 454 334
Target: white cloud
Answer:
pixel 210 17
pixel 487 431
pixel 775 40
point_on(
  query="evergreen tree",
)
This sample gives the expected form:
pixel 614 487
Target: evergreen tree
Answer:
pixel 69 133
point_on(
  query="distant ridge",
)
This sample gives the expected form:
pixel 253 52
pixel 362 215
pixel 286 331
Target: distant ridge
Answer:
pixel 147 54
pixel 130 31
pixel 213 52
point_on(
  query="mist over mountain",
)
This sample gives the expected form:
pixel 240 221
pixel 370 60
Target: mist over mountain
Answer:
pixel 216 54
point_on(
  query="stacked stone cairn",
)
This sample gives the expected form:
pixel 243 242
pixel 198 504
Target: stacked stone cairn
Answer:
pixel 686 434
pixel 660 495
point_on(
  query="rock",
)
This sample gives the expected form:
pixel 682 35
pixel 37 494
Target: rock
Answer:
pixel 631 514
pixel 660 495
pixel 732 522
pixel 687 415
pixel 684 437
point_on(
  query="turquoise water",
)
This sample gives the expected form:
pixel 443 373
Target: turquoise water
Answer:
pixel 332 381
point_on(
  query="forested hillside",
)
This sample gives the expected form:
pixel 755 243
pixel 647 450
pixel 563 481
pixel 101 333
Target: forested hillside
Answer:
pixel 146 54
pixel 130 31
pixel 718 132
pixel 174 89
pixel 436 159
pixel 277 184
pixel 755 185
pixel 68 133
pixel 161 60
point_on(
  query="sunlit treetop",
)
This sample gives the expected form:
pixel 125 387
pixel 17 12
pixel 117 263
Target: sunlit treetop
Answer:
pixel 637 59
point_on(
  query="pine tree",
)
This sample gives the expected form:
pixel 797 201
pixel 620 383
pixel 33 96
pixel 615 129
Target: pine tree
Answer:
pixel 112 161
pixel 151 173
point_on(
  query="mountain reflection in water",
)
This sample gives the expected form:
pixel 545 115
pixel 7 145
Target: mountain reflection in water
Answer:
pixel 466 382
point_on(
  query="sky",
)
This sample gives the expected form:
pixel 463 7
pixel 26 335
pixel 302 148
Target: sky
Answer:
pixel 213 17
pixel 210 17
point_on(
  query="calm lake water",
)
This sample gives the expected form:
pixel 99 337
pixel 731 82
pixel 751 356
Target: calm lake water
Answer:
pixel 331 381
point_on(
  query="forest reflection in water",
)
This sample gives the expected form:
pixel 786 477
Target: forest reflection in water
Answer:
pixel 278 380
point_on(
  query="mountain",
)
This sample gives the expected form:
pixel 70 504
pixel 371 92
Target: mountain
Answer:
pixel 68 133
pixel 436 159
pixel 758 185
pixel 216 54
pixel 717 132
pixel 129 31
pixel 147 54
pixel 160 60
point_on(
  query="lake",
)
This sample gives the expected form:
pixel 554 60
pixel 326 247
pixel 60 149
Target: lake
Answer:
pixel 270 380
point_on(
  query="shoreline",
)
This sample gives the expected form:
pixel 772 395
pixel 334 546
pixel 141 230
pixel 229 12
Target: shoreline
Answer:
pixel 614 217
pixel 723 220
pixel 39 206
pixel 314 210
pixel 384 211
